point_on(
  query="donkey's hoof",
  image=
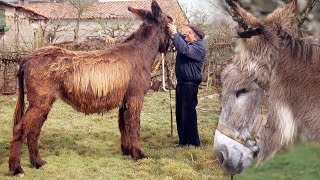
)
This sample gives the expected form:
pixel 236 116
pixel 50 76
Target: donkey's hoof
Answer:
pixel 20 175
pixel 38 164
pixel 136 154
pixel 125 151
pixel 18 172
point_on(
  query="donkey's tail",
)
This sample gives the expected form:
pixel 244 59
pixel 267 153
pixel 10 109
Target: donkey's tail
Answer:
pixel 19 111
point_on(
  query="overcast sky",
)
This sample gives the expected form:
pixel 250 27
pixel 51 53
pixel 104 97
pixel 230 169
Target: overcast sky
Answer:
pixel 211 8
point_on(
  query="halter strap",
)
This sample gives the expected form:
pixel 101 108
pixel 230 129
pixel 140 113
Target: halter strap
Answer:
pixel 230 133
pixel 262 121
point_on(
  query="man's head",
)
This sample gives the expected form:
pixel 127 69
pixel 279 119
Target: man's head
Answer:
pixel 192 34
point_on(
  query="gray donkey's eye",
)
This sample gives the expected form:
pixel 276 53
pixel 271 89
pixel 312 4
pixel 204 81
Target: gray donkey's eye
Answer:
pixel 241 92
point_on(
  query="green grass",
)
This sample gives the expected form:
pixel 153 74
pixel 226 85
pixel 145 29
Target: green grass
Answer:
pixel 77 146
pixel 299 162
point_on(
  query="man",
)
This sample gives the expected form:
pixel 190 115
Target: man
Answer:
pixel 189 61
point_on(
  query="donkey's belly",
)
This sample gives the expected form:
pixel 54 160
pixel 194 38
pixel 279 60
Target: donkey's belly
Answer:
pixel 89 102
pixel 97 85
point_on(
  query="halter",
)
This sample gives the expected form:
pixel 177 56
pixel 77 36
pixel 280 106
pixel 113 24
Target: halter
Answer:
pixel 262 121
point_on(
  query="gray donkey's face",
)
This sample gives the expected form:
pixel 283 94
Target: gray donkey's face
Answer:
pixel 241 100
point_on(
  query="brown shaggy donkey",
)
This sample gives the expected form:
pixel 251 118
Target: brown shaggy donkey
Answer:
pixel 90 82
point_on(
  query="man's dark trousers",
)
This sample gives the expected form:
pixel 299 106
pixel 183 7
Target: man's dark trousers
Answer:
pixel 186 115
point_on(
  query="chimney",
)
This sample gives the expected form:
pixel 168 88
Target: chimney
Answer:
pixel 23 2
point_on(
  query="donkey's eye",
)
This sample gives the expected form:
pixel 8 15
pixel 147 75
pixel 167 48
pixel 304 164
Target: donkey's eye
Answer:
pixel 241 92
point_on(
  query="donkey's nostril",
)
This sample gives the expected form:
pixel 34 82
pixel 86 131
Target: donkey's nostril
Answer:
pixel 221 157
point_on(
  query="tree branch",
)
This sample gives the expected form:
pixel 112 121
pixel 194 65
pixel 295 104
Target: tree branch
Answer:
pixel 307 11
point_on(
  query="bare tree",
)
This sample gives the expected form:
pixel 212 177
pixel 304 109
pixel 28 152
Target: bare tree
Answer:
pixel 54 29
pixel 306 12
pixel 196 16
pixel 115 29
pixel 81 7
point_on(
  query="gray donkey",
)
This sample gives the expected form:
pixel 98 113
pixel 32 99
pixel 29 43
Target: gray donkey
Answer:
pixel 270 57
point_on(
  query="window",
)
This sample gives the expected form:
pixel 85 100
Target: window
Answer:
pixel 3 25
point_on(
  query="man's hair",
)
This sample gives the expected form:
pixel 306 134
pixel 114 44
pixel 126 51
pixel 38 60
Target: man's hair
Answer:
pixel 197 31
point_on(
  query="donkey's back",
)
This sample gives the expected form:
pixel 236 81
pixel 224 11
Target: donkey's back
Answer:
pixel 85 80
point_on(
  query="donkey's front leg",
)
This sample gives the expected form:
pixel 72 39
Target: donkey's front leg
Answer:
pixel 132 126
pixel 125 139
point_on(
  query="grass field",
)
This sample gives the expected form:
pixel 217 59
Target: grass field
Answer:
pixel 77 146
pixel 301 162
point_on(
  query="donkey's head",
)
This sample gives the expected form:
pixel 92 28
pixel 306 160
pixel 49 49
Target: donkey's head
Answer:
pixel 155 19
pixel 261 42
pixel 239 123
pixel 259 47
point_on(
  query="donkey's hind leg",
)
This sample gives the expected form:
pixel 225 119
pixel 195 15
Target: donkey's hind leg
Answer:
pixel 38 115
pixel 15 148
pixel 132 126
pixel 30 126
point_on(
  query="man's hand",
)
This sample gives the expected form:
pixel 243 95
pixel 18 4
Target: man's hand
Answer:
pixel 172 28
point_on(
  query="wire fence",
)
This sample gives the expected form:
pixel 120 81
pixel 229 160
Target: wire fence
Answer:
pixel 9 64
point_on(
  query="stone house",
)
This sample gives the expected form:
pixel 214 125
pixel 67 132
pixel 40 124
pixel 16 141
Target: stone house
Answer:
pixel 103 19
pixel 20 28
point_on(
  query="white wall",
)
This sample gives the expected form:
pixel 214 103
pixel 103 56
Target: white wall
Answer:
pixel 89 28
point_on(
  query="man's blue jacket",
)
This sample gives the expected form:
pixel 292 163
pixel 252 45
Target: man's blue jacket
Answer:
pixel 189 60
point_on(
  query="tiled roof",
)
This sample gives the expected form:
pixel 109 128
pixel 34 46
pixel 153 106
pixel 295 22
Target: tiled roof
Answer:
pixel 22 8
pixel 112 9
pixel 5 3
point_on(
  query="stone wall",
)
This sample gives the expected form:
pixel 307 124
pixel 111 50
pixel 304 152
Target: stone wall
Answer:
pixel 63 30
pixel 23 34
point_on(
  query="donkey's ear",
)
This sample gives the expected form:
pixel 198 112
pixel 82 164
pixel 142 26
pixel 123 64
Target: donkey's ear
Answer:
pixel 156 10
pixel 140 13
pixel 291 11
pixel 286 16
pixel 246 17
pixel 292 6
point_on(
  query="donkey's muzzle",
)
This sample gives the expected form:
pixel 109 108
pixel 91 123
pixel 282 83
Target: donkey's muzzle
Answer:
pixel 233 156
pixel 228 164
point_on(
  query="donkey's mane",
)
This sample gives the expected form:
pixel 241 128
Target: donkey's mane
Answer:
pixel 305 51
pixel 141 34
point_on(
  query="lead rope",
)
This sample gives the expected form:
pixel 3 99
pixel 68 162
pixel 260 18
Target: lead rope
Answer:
pixel 163 77
pixel 170 97
pixel 171 121
pixel 169 86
